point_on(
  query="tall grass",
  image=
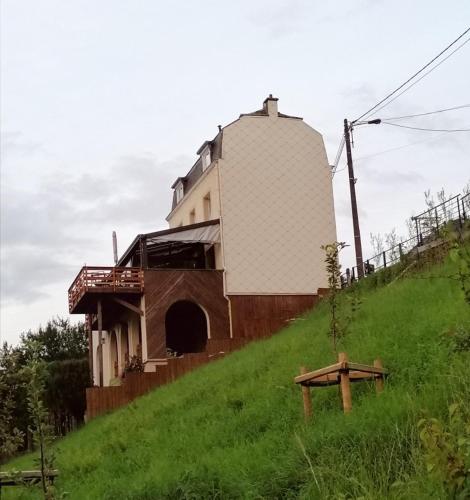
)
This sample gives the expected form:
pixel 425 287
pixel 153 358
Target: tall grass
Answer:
pixel 234 429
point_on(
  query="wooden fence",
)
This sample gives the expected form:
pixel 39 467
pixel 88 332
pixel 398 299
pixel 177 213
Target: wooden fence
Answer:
pixel 104 399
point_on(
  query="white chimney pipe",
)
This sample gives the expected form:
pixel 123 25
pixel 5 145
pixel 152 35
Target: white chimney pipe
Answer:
pixel 115 250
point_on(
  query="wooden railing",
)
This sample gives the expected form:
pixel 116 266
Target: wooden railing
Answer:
pixel 105 279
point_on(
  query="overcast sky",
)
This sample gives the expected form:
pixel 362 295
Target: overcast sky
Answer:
pixel 104 103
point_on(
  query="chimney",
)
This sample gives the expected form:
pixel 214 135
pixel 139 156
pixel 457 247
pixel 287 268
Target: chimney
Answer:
pixel 270 105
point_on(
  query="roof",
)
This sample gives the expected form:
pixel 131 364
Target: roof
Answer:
pixel 216 149
pixel 165 232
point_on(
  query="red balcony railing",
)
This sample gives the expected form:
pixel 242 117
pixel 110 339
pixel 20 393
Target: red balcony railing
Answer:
pixel 105 280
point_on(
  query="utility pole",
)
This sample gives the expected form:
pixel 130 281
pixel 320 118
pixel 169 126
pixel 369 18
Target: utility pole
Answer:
pixel 355 217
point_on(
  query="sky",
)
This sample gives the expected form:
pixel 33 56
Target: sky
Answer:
pixel 104 104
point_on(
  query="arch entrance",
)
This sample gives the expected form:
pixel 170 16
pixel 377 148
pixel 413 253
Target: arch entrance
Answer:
pixel 186 327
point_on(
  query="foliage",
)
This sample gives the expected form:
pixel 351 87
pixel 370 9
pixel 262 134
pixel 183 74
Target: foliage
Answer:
pixel 13 407
pixel 460 254
pixel 228 429
pixel 377 243
pixel 57 341
pixel 57 345
pixel 134 364
pixel 11 437
pixel 65 386
pixel 447 450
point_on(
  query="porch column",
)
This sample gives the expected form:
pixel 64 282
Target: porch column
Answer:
pixel 100 340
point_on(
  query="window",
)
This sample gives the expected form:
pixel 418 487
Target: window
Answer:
pixel 206 158
pixel 207 206
pixel 179 192
pixel 192 216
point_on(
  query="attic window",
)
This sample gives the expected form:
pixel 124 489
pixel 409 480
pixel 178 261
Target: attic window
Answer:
pixel 206 158
pixel 179 192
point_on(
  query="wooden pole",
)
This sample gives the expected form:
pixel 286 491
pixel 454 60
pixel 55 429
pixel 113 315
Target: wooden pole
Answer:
pixel 345 384
pixel 379 379
pixel 100 340
pixel 352 190
pixel 306 396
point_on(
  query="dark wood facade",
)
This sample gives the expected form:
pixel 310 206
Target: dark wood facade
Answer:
pixel 163 288
pixel 258 316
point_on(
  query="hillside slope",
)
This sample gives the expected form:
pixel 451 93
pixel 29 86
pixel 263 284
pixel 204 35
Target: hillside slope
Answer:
pixel 235 429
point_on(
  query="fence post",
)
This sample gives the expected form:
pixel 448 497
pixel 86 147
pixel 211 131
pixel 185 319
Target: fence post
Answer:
pixel 385 259
pixel 437 218
pixel 458 210
pixel 400 250
pixel 417 231
pixel 464 215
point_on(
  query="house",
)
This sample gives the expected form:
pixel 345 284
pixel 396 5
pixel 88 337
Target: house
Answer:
pixel 241 257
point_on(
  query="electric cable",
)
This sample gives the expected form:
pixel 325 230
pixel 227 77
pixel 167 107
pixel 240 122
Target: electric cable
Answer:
pixel 423 76
pixel 428 129
pixel 425 114
pixel 416 74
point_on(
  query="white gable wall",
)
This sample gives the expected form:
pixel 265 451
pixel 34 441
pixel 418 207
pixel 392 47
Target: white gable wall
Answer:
pixel 277 206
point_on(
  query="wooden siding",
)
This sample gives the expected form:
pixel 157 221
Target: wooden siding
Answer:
pixel 165 287
pixel 258 316
pixel 104 399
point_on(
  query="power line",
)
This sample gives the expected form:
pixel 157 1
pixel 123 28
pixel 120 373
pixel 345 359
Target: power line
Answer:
pixel 415 75
pixel 428 129
pixel 373 155
pixel 428 113
pixel 421 77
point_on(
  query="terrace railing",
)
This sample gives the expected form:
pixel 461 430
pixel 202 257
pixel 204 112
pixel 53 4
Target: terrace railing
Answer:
pixel 105 279
pixel 427 226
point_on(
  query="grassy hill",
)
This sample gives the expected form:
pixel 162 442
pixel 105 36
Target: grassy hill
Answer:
pixel 235 429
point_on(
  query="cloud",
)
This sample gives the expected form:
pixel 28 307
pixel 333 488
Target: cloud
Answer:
pixel 14 143
pixel 282 18
pixel 49 230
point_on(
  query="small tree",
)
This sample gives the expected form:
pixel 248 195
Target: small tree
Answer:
pixel 333 269
pixel 377 243
pixel 36 373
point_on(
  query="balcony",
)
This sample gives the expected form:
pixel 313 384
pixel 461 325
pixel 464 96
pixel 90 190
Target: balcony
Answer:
pixel 92 283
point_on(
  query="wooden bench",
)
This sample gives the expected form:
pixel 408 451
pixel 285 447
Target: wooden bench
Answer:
pixel 25 478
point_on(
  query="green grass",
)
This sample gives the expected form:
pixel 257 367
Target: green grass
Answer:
pixel 235 429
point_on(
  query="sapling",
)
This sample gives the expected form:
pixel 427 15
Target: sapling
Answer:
pixel 41 431
pixel 333 269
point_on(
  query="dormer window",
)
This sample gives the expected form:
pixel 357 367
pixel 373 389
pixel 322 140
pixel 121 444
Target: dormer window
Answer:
pixel 206 158
pixel 205 154
pixel 179 192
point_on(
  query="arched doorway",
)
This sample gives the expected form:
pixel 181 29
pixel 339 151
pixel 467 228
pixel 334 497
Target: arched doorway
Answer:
pixel 113 356
pixel 186 328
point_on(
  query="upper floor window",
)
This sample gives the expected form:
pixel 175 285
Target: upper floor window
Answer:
pixel 192 216
pixel 207 206
pixel 179 192
pixel 206 158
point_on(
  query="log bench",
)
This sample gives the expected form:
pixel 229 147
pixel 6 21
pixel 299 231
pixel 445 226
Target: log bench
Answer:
pixel 25 478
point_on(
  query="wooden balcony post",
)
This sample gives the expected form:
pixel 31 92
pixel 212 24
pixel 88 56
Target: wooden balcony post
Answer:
pixel 345 384
pixel 100 340
pixel 306 396
pixel 89 332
